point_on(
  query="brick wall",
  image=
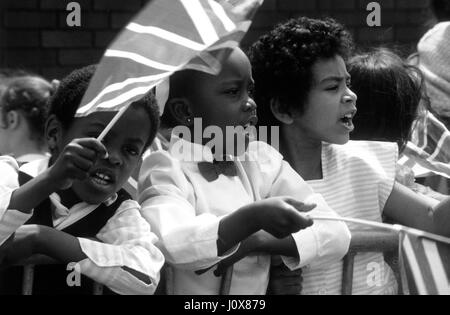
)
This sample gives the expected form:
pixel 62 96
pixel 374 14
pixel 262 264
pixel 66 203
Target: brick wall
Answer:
pixel 34 34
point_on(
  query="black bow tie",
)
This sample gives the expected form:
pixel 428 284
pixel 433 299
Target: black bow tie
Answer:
pixel 211 170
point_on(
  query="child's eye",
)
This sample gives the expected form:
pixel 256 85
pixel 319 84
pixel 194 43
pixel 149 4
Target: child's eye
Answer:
pixel 232 92
pixel 332 88
pixel 131 150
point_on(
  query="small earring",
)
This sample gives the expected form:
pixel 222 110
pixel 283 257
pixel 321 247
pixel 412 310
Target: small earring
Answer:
pixel 189 120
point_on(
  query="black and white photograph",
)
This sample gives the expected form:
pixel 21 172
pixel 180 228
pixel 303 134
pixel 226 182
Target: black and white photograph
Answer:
pixel 224 151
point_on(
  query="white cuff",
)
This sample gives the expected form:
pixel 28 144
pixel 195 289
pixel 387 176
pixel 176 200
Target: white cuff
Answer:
pixel 197 248
pixel 102 254
pixel 307 247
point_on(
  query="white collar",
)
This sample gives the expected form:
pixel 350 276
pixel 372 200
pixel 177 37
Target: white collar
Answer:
pixel 187 151
pixel 26 158
pixel 64 217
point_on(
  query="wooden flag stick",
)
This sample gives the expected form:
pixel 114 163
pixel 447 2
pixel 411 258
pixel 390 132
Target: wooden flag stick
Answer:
pixel 113 122
pixel 392 227
pixel 358 221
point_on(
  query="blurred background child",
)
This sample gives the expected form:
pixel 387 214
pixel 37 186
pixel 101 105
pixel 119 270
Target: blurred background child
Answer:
pixel 23 112
pixel 390 92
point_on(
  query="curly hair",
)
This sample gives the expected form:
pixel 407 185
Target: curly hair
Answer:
pixel 65 102
pixel 28 95
pixel 282 61
pixel 389 93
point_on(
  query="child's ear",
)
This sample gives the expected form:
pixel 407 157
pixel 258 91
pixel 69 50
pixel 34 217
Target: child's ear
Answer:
pixel 281 113
pixel 53 133
pixel 180 110
pixel 13 119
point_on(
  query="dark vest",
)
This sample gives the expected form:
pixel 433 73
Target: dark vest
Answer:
pixel 51 279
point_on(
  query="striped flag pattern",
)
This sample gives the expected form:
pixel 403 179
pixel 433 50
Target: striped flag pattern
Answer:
pixel 429 147
pixel 426 263
pixel 166 36
pixel 424 258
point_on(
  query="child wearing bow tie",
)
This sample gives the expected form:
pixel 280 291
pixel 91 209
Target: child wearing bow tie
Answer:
pixel 212 206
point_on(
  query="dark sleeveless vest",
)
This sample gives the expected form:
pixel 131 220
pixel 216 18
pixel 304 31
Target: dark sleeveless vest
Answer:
pixel 51 279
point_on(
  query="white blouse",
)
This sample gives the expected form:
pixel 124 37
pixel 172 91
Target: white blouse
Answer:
pixel 358 178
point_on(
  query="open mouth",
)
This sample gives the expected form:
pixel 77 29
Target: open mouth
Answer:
pixel 252 121
pixel 102 178
pixel 347 120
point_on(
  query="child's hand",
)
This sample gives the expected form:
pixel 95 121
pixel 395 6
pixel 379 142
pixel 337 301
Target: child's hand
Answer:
pixel 251 245
pixel 280 216
pixel 75 161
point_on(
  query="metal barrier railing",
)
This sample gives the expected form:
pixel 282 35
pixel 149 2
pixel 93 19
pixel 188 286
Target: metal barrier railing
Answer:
pixel 37 260
pixel 362 241
pixel 369 241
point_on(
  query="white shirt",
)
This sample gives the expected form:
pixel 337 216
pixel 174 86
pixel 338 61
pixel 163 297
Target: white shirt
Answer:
pixel 125 241
pixel 185 210
pixel 358 178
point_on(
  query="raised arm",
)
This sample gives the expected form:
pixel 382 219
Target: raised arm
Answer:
pixel 72 164
pixel 414 210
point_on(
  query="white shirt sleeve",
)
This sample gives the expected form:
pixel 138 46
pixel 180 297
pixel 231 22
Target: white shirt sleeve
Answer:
pixel 188 240
pixel 324 240
pixel 10 219
pixel 126 241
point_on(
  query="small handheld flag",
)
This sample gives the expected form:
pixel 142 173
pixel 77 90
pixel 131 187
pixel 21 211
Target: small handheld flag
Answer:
pixel 166 36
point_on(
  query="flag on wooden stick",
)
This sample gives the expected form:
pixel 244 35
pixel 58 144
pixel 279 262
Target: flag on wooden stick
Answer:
pixel 166 36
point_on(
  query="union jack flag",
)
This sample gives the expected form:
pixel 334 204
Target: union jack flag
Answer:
pixel 428 151
pixel 425 263
pixel 166 36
